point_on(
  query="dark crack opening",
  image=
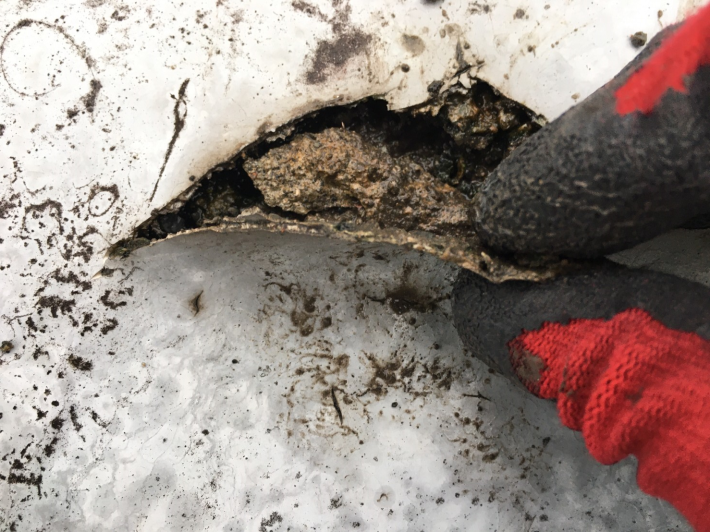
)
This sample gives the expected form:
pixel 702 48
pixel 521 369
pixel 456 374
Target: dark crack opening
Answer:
pixel 363 172
pixel 469 136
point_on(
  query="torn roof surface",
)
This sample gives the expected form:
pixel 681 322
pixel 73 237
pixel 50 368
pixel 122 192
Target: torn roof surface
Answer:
pixel 217 383
pixel 146 97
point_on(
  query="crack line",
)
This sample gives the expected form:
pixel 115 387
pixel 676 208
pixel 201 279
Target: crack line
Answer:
pixel 177 128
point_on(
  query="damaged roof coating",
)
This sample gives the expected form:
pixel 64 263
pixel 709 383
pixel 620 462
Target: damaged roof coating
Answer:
pixel 218 411
pixel 335 175
pixel 362 173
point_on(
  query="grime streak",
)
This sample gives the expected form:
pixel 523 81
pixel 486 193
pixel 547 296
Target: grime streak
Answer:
pixel 179 115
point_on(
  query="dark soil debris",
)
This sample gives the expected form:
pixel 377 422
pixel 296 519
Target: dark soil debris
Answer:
pixel 24 477
pixel 56 305
pixel 39 352
pixel 90 99
pixel 51 447
pixel 57 423
pixel 336 405
pixel 97 419
pixel 111 304
pixel 80 363
pixel 5 208
pixel 267 525
pixel 638 39
pixel 335 502
pixel 30 479
pixel 109 326
pixel 490 457
pixel 75 418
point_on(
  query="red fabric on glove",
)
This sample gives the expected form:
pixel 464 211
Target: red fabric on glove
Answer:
pixel 680 55
pixel 632 386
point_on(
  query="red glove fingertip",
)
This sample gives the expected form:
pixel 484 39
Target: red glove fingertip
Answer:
pixel 632 386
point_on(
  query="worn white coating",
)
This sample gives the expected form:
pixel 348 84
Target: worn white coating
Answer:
pixel 90 95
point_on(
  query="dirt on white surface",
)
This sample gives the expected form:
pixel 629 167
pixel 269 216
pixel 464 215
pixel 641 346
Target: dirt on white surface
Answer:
pixel 262 382
pixel 193 386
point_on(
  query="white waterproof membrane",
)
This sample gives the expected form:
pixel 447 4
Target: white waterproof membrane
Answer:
pixel 271 378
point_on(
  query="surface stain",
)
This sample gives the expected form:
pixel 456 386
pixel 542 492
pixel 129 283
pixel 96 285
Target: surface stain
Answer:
pixel 335 503
pixel 120 15
pixel 74 417
pixel 50 448
pixel 527 366
pixel 19 475
pixel 54 208
pixel 56 305
pixel 273 520
pixel 304 310
pixel 113 305
pixel 80 50
pixel 332 55
pixel 90 99
pixel 109 326
pixel 413 44
pixel 309 9
pixel 478 8
pixel 80 363
pixel 409 296
pixel 195 303
pixel 57 423
pixel 179 116
pixel 6 207
pixel 70 278
pixel 336 405
pixel 102 199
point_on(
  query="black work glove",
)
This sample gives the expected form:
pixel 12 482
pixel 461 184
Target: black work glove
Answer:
pixel 628 163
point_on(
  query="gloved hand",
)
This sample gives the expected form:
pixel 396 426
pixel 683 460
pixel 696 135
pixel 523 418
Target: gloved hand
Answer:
pixel 626 164
pixel 625 353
